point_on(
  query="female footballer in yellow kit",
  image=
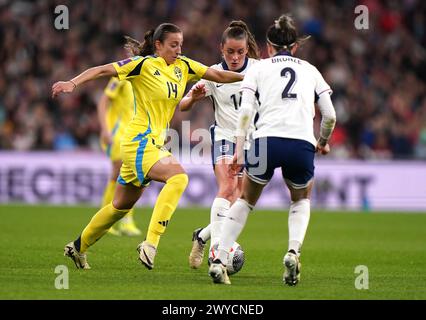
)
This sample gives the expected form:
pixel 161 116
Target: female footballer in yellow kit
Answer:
pixel 159 76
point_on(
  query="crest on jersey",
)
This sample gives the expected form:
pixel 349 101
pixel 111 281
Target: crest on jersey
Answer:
pixel 178 73
pixel 224 148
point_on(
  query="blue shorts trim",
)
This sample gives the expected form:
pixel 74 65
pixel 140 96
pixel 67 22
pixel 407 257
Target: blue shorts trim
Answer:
pixel 108 150
pixel 121 181
pixel 139 158
pixel 295 158
pixel 139 153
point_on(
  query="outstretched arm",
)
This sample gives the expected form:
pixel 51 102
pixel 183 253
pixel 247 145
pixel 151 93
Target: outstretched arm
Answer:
pixel 222 76
pixel 196 93
pixel 89 74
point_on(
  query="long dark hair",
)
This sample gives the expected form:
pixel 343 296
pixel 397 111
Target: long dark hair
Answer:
pixel 282 35
pixel 135 48
pixel 239 30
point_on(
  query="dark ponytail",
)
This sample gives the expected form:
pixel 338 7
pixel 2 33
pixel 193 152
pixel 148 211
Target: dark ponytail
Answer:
pixel 282 35
pixel 239 30
pixel 135 48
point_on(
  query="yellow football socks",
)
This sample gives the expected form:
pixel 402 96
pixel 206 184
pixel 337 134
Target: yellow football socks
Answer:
pixel 108 193
pixel 165 205
pixel 99 225
pixel 109 196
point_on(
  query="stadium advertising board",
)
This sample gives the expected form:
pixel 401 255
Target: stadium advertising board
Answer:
pixel 79 178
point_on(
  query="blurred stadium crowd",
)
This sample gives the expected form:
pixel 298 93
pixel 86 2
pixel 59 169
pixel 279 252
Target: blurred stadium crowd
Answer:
pixel 378 75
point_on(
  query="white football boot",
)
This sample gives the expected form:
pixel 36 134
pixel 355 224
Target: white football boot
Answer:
pixel 147 254
pixel 219 273
pixel 292 267
pixel 197 253
pixel 80 259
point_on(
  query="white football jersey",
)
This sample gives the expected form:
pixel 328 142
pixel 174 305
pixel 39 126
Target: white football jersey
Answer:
pixel 286 87
pixel 226 99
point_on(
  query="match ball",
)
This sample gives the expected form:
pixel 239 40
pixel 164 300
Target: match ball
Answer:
pixel 236 257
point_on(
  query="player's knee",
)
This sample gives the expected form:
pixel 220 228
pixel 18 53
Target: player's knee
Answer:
pixel 248 198
pixel 297 195
pixel 226 192
pixel 228 189
pixel 121 205
pixel 179 181
pixel 119 212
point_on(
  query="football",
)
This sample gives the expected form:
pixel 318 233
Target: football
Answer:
pixel 235 258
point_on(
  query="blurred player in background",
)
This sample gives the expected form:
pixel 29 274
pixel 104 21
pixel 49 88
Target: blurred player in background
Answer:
pixel 284 137
pixel 240 52
pixel 115 110
pixel 159 75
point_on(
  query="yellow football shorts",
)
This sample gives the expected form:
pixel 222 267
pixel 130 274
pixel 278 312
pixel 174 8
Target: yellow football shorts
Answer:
pixel 139 155
pixel 113 150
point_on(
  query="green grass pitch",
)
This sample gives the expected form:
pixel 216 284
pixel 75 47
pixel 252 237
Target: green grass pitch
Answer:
pixel 391 245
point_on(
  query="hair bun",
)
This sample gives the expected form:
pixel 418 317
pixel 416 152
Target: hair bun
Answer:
pixel 284 22
pixel 239 24
pixel 277 24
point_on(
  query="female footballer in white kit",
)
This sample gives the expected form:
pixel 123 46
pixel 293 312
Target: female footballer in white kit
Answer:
pixel 284 138
pixel 240 52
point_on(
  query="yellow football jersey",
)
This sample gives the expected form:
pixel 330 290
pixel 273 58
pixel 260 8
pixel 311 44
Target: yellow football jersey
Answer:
pixel 121 108
pixel 119 113
pixel 158 88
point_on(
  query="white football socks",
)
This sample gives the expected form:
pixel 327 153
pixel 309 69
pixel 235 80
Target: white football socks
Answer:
pixel 232 227
pixel 298 220
pixel 205 233
pixel 218 213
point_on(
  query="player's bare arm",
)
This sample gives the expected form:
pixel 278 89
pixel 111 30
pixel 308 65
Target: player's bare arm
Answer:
pixel 87 75
pixel 196 93
pixel 222 76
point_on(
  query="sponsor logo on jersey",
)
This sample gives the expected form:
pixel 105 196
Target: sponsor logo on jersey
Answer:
pixel 219 85
pixel 157 73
